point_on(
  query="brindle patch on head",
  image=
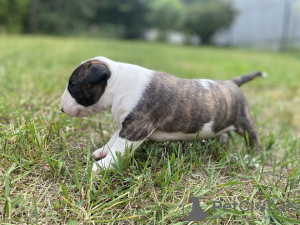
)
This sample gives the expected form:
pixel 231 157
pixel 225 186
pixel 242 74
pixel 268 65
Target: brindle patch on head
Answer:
pixel 88 82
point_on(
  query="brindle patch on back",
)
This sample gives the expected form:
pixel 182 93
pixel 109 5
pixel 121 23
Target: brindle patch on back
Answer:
pixel 88 82
pixel 172 104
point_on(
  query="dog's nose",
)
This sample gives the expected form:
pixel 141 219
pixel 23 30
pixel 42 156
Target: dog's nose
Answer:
pixel 62 110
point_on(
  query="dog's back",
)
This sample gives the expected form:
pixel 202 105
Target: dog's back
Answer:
pixel 179 108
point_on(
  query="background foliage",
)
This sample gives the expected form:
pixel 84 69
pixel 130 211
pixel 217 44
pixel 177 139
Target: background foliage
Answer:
pixel 113 18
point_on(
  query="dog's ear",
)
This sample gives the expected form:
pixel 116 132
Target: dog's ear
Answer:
pixel 97 73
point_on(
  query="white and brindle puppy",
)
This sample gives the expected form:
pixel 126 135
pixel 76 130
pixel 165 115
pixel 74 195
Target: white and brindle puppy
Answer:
pixel 156 105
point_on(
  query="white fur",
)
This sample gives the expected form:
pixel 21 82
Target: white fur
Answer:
pixel 264 74
pixel 252 163
pixel 205 133
pixel 206 83
pixel 126 85
pixel 72 108
pixel 119 145
pixel 102 152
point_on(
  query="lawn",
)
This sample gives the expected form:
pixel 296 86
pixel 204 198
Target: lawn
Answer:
pixel 45 173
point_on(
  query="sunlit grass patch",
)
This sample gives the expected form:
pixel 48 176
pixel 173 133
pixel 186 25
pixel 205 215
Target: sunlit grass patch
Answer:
pixel 45 156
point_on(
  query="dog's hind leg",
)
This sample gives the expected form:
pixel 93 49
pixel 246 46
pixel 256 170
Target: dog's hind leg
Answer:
pixel 246 127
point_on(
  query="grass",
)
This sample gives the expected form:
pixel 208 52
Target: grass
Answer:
pixel 45 173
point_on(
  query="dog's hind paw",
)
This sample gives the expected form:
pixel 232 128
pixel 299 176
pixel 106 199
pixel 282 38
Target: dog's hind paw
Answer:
pixel 252 163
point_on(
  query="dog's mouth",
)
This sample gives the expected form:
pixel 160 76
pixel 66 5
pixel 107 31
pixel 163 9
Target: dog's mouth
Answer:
pixel 75 114
pixel 82 114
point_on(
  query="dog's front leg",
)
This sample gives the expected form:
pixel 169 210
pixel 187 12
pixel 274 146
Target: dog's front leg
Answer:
pixel 120 145
pixel 102 152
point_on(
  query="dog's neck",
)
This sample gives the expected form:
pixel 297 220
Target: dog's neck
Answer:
pixel 124 88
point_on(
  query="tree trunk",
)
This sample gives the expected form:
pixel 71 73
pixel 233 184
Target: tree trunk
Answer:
pixel 34 23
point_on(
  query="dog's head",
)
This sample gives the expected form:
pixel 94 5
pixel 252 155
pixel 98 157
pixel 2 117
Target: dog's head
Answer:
pixel 86 86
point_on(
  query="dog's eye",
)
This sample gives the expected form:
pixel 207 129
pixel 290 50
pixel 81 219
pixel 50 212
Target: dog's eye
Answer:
pixel 72 84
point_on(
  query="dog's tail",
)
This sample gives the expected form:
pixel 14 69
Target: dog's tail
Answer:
pixel 239 81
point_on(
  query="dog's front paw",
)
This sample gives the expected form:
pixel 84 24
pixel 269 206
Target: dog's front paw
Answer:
pixel 104 164
pixel 100 153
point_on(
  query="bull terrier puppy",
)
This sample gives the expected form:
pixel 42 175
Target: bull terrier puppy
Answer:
pixel 154 105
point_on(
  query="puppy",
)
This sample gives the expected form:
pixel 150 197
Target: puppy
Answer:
pixel 156 105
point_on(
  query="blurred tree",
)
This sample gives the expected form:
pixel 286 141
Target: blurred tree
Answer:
pixel 32 20
pixel 128 13
pixel 205 17
pixel 166 14
pixel 60 17
pixel 12 13
pixel 126 18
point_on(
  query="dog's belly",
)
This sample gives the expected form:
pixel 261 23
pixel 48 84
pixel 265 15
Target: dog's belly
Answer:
pixel 205 133
pixel 165 136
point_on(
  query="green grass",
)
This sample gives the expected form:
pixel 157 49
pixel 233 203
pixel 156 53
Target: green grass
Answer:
pixel 44 154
